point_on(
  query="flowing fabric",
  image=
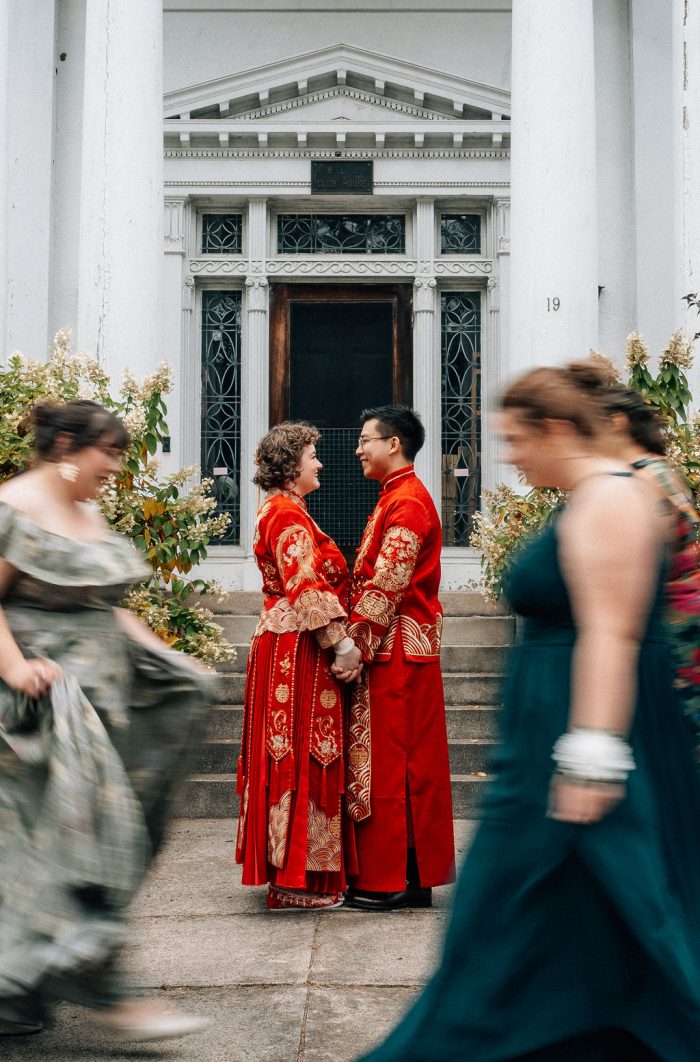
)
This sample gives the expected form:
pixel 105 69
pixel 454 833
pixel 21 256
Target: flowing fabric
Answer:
pixel 87 772
pixel 571 942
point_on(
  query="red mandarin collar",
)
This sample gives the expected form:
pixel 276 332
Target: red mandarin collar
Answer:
pixel 390 481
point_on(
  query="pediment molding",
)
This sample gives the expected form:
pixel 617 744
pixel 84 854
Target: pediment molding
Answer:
pixel 395 81
pixel 343 92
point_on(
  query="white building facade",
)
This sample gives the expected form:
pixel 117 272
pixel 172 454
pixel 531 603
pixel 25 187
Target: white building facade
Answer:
pixel 312 206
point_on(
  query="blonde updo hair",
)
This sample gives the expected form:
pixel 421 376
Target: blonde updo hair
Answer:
pixel 573 392
pixel 280 451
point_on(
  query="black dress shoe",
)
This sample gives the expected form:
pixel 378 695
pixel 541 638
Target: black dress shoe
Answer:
pixel 362 900
pixel 20 1016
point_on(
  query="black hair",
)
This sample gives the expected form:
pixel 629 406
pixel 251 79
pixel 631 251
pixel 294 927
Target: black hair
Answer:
pixel 84 423
pixel 645 425
pixel 401 422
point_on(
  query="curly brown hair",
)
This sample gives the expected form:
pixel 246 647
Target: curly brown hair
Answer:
pixel 279 452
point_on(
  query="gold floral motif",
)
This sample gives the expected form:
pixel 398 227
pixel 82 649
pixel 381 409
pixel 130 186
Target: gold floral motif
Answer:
pixel 278 735
pixel 282 693
pixel 295 546
pixel 277 830
pixel 324 742
pixel 366 541
pixel 317 608
pixel 323 840
pixel 397 559
pixel 280 619
pixel 285 664
pixel 330 635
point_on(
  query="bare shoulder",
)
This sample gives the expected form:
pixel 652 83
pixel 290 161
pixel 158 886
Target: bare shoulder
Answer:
pixel 613 511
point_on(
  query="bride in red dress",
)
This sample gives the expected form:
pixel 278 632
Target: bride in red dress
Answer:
pixel 290 772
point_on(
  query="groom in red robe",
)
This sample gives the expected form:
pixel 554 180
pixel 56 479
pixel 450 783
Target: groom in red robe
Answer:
pixel 398 788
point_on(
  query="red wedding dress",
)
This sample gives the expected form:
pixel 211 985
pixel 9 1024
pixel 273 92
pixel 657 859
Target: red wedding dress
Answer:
pixel 290 772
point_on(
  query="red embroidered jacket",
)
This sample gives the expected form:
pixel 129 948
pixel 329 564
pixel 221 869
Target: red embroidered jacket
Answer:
pixel 396 577
pixel 304 573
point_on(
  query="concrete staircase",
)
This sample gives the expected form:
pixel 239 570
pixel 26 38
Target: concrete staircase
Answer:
pixel 475 639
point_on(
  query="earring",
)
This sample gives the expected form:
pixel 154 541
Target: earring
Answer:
pixel 68 471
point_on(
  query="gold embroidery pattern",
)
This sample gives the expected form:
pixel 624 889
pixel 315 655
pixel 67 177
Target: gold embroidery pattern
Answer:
pixel 277 830
pixel 324 743
pixel 418 639
pixel 359 758
pixel 330 635
pixel 271 580
pixel 364 638
pixel 295 547
pixel 397 559
pixel 376 607
pixel 280 619
pixel 242 818
pixel 366 541
pixel 316 608
pixel 323 837
pixel 282 694
pixel 278 742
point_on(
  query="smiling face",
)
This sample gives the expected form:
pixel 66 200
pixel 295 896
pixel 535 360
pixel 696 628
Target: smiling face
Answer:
pixel 309 468
pixel 375 450
pixel 96 465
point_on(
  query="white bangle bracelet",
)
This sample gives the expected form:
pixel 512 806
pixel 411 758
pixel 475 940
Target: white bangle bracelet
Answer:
pixel 593 755
pixel 343 646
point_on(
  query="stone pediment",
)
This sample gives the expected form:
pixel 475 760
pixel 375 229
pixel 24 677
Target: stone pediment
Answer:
pixel 339 83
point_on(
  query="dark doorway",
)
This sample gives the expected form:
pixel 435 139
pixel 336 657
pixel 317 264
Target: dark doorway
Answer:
pixel 333 352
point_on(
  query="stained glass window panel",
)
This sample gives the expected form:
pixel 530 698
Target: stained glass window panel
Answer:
pixel 461 414
pixel 222 233
pixel 341 234
pixel 221 402
pixel 460 233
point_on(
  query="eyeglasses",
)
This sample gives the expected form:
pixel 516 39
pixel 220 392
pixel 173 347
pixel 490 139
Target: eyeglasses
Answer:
pixel 364 439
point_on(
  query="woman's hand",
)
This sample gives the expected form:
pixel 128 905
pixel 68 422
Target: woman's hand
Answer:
pixel 33 677
pixel 582 803
pixel 348 666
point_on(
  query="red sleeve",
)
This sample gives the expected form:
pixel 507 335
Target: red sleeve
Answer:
pixel 291 538
pixel 406 525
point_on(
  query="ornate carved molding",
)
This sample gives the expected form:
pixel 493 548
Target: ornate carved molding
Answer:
pixel 341 267
pixel 306 185
pixel 424 295
pixel 455 267
pixel 212 267
pixel 257 288
pixel 494 289
pixel 173 226
pixel 503 226
pixel 188 293
pixel 331 153
pixel 347 91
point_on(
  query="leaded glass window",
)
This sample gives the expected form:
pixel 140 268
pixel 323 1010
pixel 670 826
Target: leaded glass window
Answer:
pixel 341 234
pixel 222 233
pixel 461 414
pixel 460 233
pixel 221 402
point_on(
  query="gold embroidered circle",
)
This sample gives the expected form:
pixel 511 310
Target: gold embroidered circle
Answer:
pixel 358 756
pixel 328 698
pixel 373 604
pixel 282 693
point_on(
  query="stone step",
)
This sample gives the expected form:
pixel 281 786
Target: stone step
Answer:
pixel 457 630
pixel 460 688
pixel 467 756
pixel 471 658
pixel 454 603
pixel 213 796
pixel 224 722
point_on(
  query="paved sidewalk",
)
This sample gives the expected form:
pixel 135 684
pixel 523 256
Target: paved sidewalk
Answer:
pixel 277 987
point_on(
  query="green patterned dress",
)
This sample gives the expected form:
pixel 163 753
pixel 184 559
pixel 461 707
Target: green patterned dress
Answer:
pixel 86 773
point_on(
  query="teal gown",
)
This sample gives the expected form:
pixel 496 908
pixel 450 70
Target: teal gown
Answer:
pixel 571 942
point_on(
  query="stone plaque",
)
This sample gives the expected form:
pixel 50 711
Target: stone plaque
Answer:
pixel 345 177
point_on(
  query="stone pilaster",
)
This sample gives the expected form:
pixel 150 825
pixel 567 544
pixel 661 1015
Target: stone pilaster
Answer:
pixel 426 349
pixel 686 193
pixel 121 217
pixel 554 292
pixel 255 375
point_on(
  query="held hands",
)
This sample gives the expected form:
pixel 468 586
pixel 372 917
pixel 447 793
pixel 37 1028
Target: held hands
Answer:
pixel 33 677
pixel 347 665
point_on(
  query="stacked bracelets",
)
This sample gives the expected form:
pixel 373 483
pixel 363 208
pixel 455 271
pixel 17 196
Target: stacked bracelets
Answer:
pixel 589 755
pixel 343 646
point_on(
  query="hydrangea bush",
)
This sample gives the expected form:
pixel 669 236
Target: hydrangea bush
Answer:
pixel 171 519
pixel 509 518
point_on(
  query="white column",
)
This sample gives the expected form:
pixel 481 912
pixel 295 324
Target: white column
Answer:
pixel 182 403
pixel 426 350
pixel 121 230
pixel 255 376
pixel 4 161
pixel 29 99
pixel 686 198
pixel 554 308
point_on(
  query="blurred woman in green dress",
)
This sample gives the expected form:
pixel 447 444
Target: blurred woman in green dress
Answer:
pixel 97 719
pixel 576 927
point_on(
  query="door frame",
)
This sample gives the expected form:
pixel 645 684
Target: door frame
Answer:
pixel 399 295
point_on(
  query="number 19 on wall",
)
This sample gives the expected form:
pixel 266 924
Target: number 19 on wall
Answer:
pixel 553 304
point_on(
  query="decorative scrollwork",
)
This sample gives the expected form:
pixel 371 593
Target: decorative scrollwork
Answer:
pixel 341 234
pixel 225 267
pixel 221 402
pixel 365 267
pixel 461 413
pixel 447 267
pixel 222 233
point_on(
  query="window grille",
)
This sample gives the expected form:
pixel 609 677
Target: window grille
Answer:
pixel 461 414
pixel 222 233
pixel 346 499
pixel 341 234
pixel 460 233
pixel 221 402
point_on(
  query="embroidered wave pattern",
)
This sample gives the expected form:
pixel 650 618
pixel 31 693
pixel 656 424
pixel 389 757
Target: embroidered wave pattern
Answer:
pixel 359 756
pixel 418 639
pixel 277 830
pixel 323 849
pixel 316 608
